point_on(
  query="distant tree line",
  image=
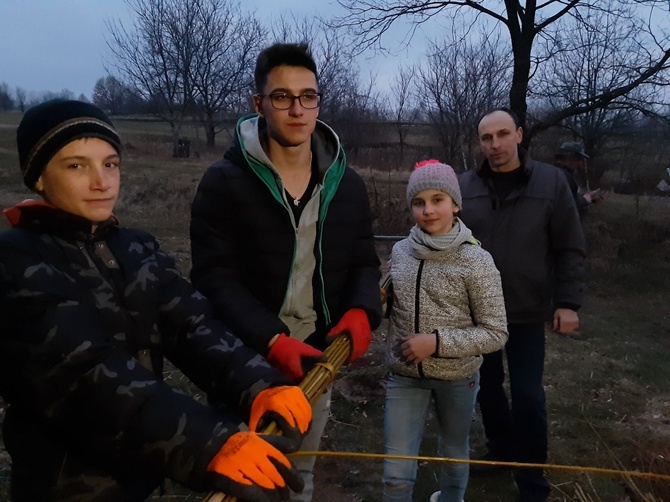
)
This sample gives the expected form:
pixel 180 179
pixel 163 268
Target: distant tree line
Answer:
pixel 20 99
pixel 595 70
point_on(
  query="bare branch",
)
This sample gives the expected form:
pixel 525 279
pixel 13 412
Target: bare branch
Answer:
pixel 369 20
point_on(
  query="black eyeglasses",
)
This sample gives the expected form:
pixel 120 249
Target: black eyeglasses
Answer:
pixel 284 100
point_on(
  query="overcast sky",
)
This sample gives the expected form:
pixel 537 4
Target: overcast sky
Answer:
pixel 50 45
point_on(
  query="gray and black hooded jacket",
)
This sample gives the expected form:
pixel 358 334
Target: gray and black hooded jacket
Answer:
pixel 248 250
pixel 86 320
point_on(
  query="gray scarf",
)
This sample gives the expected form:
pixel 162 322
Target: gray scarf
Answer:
pixel 424 246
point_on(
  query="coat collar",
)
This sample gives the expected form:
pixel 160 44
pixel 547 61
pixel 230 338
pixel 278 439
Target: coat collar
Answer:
pixel 39 215
pixel 526 164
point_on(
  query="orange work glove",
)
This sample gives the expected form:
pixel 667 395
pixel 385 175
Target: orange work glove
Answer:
pixel 356 326
pixel 287 406
pixel 293 357
pixel 252 468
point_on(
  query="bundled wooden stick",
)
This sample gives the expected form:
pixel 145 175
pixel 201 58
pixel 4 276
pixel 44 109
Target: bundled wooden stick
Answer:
pixel 385 287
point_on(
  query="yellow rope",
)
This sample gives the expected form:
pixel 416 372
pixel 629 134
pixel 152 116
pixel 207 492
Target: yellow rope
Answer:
pixel 555 467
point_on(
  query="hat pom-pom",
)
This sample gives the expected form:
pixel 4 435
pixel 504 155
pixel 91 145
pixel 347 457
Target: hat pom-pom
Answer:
pixel 426 162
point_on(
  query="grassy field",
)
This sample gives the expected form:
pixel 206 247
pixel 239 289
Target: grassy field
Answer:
pixel 608 395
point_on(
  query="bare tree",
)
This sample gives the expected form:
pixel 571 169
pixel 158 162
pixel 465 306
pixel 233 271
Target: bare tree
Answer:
pixel 62 94
pixel 404 111
pixel 21 98
pixel 154 57
pixel 590 62
pixel 110 95
pixel 348 99
pixel 464 78
pixel 188 59
pixel 339 77
pixel 6 100
pixel 524 22
pixel 228 42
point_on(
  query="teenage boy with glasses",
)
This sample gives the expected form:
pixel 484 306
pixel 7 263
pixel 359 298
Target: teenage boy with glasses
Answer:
pixel 281 232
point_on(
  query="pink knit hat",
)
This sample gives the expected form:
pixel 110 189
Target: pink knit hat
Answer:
pixel 431 174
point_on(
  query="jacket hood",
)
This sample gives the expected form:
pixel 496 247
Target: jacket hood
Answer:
pixel 326 150
pixel 326 147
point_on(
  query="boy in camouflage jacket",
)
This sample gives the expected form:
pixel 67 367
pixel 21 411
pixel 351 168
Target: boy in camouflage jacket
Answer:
pixel 89 309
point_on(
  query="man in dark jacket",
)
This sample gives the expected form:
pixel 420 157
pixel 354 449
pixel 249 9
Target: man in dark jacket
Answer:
pixel 88 310
pixel 571 158
pixel 524 214
pixel 281 232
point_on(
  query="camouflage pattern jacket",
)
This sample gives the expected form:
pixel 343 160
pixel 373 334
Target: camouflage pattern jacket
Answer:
pixel 86 321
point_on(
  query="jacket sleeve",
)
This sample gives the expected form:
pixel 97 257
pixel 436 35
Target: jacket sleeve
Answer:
pixel 488 332
pixel 217 264
pixel 57 363
pixel 567 248
pixel 204 348
pixel 362 285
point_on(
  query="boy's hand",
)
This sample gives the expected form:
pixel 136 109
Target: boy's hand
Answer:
pixel 287 406
pixel 293 357
pixel 355 325
pixel 253 468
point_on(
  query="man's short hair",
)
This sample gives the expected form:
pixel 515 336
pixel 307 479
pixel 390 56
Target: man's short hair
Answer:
pixel 282 54
pixel 515 117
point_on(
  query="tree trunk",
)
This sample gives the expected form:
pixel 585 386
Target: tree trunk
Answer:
pixel 176 129
pixel 519 89
pixel 210 134
pixel 522 33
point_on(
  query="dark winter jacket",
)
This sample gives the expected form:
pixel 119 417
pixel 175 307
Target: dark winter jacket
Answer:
pixel 534 236
pixel 86 320
pixel 244 241
pixel 580 201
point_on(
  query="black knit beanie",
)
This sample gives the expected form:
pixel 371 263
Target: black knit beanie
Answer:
pixel 48 127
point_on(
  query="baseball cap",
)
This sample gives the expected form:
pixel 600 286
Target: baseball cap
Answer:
pixel 572 148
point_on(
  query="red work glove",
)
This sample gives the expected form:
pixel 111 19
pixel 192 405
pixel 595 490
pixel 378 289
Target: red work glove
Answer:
pixel 252 468
pixel 287 406
pixel 293 357
pixel 355 325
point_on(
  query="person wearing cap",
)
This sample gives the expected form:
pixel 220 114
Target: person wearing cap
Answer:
pixel 524 214
pixel 281 233
pixel 571 158
pixel 89 309
pixel 447 310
